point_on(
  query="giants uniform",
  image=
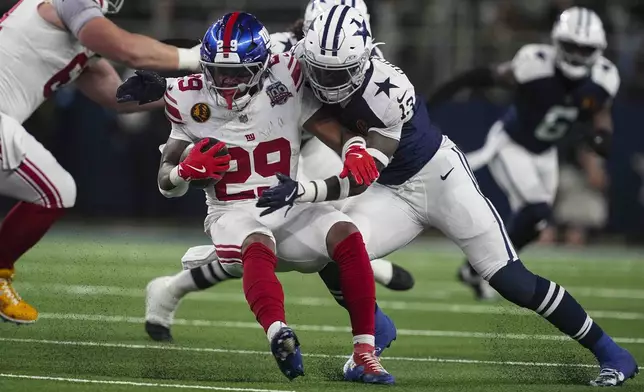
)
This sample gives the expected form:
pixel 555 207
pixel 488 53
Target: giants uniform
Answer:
pixel 427 183
pixel 521 147
pixel 37 58
pixel 263 139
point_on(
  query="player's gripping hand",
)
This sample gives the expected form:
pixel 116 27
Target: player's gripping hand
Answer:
pixel 144 87
pixel 281 195
pixel 202 165
pixel 360 164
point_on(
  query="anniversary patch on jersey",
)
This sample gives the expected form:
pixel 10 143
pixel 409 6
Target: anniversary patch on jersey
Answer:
pixel 278 93
pixel 200 112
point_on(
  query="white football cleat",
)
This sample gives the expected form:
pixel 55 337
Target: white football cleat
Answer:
pixel 160 305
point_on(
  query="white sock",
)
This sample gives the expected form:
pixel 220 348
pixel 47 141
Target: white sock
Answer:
pixel 364 339
pixel 182 284
pixel 273 329
pixel 383 271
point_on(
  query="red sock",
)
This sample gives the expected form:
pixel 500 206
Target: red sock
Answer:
pixel 263 290
pixel 22 228
pixel 358 286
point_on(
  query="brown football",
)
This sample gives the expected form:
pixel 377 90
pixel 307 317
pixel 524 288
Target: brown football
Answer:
pixel 201 184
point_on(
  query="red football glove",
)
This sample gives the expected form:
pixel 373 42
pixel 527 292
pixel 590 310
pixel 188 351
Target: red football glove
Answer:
pixel 200 165
pixel 360 164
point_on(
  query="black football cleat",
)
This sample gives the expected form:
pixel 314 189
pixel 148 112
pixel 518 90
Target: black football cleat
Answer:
pixel 158 333
pixel 401 279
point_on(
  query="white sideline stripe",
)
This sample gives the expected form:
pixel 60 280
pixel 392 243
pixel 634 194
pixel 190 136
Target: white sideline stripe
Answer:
pixel 166 347
pixel 436 307
pixel 318 328
pixel 135 384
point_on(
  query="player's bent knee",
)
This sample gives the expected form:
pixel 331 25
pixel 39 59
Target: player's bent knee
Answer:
pixel 66 187
pixel 338 233
pixel 516 284
pixel 258 238
pixel 198 256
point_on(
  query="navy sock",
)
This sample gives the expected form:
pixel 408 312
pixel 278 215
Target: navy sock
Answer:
pixel 331 277
pixel 525 225
pixel 520 286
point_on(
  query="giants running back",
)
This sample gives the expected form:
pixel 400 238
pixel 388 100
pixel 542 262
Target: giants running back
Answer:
pixel 262 139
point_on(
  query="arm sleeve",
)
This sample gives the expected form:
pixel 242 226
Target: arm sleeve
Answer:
pixel 76 13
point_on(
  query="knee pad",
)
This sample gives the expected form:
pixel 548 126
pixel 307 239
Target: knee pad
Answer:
pixel 198 256
pixel 515 283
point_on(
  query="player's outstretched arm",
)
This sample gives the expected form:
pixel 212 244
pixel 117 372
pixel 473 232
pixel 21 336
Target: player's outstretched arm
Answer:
pixel 601 137
pixel 482 77
pixel 100 81
pixel 84 20
pixel 137 51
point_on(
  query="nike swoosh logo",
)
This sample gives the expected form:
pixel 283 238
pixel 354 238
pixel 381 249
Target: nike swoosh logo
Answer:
pixel 291 195
pixel 448 173
pixel 202 170
pixel 359 156
pixel 402 97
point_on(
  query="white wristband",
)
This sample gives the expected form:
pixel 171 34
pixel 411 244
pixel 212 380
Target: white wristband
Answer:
pixel 345 187
pixel 378 155
pixel 189 59
pixel 175 178
pixel 356 140
pixel 312 191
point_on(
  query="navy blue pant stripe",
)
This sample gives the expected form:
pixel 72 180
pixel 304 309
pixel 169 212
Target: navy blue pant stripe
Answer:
pixel 327 25
pixel 466 166
pixel 338 30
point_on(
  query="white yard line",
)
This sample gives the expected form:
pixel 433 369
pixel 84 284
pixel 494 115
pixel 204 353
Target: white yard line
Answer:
pixel 134 383
pixel 320 328
pixel 165 347
pixel 424 306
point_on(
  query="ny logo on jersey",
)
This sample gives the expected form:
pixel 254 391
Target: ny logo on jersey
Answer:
pixel 250 137
pixel 278 93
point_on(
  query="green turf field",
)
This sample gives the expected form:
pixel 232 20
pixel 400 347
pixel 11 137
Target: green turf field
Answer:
pixel 90 336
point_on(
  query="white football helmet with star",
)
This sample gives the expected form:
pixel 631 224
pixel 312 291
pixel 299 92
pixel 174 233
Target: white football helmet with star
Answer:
pixel 580 39
pixel 317 7
pixel 337 47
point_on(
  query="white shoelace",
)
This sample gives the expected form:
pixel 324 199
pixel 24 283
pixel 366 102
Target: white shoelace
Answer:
pixel 371 361
pixel 9 292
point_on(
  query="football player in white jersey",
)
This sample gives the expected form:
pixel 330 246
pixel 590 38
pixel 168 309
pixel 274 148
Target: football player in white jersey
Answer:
pixel 201 267
pixel 44 45
pixel 556 86
pixel 252 103
pixel 427 183
pixel 316 159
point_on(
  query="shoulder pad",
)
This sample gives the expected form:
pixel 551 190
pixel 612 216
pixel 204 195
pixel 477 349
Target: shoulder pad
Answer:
pixel 282 42
pixel 180 95
pixel 606 75
pixel 533 61
pixel 387 88
pixel 287 69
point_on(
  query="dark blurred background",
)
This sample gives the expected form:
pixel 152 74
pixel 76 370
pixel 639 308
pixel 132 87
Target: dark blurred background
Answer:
pixel 114 158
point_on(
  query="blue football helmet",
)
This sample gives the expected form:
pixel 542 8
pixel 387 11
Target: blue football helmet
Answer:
pixel 234 58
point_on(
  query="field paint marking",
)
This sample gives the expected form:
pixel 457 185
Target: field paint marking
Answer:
pixel 437 307
pixel 320 328
pixel 166 347
pixel 135 384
